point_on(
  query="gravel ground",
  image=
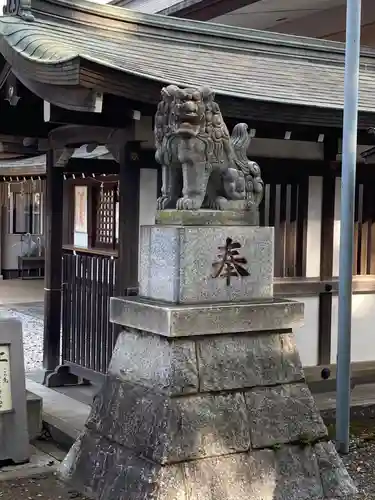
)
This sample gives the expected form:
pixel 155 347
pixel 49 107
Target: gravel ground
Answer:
pixel 43 488
pixel 360 461
pixel 31 316
pixel 361 466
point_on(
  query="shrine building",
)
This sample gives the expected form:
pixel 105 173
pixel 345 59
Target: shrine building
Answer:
pixel 79 86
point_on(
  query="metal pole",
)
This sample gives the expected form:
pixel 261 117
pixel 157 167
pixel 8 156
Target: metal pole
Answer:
pixel 349 161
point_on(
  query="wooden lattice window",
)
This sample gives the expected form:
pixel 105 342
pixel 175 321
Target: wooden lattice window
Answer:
pixel 106 218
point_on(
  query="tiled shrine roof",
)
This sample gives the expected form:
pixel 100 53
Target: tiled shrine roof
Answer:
pixel 70 38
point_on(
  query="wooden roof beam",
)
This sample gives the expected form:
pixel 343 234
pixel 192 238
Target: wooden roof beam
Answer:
pixel 204 10
pixel 23 146
pixel 4 74
pixel 18 149
pixel 110 117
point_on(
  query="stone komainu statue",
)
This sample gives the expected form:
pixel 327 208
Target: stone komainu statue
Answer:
pixel 203 167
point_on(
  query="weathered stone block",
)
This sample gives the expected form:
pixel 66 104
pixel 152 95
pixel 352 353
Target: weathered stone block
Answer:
pixel 283 414
pixel 167 429
pixel 131 415
pixel 155 362
pixel 248 360
pixel 204 426
pixel 335 478
pixel 236 477
pixel 177 263
pixel 298 475
pixel 107 471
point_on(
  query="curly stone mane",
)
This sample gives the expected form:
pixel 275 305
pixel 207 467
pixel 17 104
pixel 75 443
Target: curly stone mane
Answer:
pixel 163 125
pixel 216 130
pixel 212 129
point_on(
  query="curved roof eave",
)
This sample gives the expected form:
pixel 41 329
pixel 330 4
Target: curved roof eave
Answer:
pixel 238 63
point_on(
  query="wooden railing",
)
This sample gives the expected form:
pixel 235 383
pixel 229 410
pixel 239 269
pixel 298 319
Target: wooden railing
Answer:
pixel 313 287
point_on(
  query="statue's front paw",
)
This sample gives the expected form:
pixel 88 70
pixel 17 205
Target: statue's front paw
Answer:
pixel 221 203
pixel 162 202
pixel 184 203
pixel 26 15
pixel 187 203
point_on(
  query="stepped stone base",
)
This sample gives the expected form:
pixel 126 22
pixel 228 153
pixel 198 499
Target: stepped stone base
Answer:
pixel 224 416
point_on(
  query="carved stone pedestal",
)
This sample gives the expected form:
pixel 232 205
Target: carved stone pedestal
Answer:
pixel 206 400
pixel 206 264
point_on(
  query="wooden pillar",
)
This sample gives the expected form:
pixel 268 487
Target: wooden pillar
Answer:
pixel 53 265
pixel 129 193
pixel 326 252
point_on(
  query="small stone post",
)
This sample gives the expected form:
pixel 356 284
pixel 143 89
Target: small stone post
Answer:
pixel 14 436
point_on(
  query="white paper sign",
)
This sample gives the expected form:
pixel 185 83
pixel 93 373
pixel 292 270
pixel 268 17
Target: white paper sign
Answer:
pixel 80 216
pixel 5 386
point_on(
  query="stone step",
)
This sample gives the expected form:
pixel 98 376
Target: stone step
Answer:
pixel 63 416
pixel 34 414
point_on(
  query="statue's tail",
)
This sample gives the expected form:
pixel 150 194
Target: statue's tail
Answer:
pixel 240 140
